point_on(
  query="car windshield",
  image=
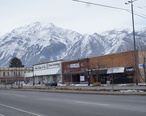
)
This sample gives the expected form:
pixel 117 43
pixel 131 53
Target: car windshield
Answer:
pixel 51 81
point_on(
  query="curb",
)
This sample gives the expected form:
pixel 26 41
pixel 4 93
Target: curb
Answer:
pixel 78 91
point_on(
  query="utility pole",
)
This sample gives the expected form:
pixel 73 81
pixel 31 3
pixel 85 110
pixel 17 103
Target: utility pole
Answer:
pixel 112 75
pixel 134 43
pixel 33 77
pixel 144 66
pixel 88 72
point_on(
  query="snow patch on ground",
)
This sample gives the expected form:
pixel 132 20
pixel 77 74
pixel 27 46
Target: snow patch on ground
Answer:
pixel 131 91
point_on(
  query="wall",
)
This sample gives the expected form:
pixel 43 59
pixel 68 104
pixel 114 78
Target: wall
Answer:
pixel 69 68
pixel 142 75
pixel 114 60
pixel 13 74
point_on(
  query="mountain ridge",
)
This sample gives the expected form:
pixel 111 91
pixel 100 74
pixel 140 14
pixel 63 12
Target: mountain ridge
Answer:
pixel 41 42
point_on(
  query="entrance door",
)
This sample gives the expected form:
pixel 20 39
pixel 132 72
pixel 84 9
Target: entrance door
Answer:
pixel 76 78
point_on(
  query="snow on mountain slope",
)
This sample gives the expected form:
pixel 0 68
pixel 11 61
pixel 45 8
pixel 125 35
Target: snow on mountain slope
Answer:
pixel 41 42
pixel 118 41
pixel 31 43
pixel 88 46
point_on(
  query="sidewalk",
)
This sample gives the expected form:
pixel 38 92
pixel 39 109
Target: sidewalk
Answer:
pixel 100 90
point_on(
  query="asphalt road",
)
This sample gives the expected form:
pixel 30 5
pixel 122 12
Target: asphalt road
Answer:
pixel 29 103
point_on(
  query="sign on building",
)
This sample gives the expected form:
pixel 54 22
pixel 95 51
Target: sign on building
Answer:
pixel 82 78
pixel 53 65
pixel 142 65
pixel 76 65
pixel 40 67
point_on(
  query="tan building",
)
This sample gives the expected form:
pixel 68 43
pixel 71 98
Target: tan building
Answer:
pixel 14 74
pixel 116 68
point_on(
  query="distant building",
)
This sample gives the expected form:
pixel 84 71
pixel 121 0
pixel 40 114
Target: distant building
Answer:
pixel 14 74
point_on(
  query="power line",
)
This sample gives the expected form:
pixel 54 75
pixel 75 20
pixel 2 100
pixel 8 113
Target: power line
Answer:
pixel 134 0
pixel 142 8
pixel 107 6
pixel 100 5
pixel 140 15
pixel 138 6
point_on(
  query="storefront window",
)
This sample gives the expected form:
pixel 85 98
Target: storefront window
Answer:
pixel 129 75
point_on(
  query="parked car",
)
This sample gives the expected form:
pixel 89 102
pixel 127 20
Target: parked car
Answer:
pixel 51 83
pixel 9 83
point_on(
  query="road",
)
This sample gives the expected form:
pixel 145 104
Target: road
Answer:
pixel 30 103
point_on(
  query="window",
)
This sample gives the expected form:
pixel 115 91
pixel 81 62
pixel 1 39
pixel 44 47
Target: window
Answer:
pixel 19 73
pixel 3 73
pixel 82 65
pixel 65 71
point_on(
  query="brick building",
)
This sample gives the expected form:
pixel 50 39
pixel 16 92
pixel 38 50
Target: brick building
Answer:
pixel 116 68
pixel 75 71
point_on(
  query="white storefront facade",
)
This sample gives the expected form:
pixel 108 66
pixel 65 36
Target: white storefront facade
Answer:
pixel 51 71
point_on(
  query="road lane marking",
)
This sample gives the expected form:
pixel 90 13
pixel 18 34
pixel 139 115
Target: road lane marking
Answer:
pixel 79 102
pixel 91 103
pixel 20 110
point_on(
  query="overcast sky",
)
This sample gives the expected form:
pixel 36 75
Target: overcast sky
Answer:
pixel 68 14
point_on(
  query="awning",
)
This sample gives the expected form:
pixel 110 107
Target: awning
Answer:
pixel 96 72
pixel 86 73
pixel 102 71
pixel 115 70
pixel 52 71
pixel 92 72
pixel 28 74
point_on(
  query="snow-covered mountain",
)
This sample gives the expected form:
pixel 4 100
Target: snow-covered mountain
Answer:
pixel 40 42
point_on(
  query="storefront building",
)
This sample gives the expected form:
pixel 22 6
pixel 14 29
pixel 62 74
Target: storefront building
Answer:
pixel 120 67
pixel 14 74
pixel 75 71
pixel 50 71
pixel 116 68
pixel 28 77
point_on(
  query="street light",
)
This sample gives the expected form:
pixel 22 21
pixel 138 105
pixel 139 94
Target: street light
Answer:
pixel 134 43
